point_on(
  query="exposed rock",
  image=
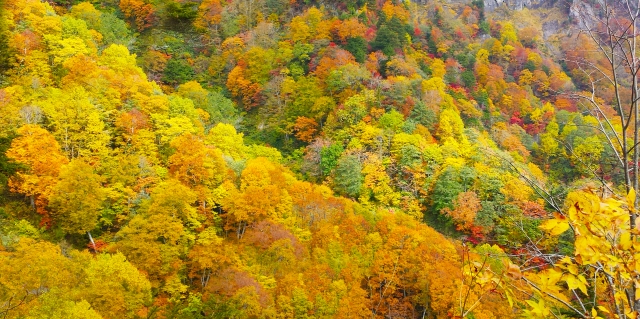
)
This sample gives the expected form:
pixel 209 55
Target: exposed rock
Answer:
pixel 491 5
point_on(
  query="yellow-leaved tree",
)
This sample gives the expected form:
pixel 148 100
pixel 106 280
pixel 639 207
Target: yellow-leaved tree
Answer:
pixel 77 198
pixel 197 166
pixel 39 279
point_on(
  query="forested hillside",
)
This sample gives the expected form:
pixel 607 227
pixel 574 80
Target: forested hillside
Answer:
pixel 318 159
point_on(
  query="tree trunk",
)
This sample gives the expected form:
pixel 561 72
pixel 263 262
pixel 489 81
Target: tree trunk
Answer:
pixel 93 243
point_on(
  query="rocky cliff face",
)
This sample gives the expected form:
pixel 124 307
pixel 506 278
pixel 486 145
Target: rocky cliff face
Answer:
pixel 491 5
pixel 556 17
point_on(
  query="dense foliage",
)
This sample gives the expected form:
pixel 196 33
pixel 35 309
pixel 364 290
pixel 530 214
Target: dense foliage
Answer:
pixel 292 159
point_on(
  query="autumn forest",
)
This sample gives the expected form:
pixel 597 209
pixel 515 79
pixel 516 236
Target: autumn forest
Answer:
pixel 177 159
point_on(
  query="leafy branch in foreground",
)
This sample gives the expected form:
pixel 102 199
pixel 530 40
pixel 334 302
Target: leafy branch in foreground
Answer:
pixel 599 280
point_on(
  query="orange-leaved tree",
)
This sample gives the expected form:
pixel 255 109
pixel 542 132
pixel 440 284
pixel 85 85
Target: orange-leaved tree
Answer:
pixel 141 14
pixel 38 151
pixel 198 166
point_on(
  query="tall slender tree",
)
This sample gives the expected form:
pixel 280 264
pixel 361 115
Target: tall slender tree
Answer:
pixel 5 49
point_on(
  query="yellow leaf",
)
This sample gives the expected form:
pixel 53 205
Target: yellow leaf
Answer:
pixel 548 225
pixel 538 307
pixel 508 294
pixel 603 309
pixel 625 241
pixel 594 313
pixel 573 213
pixel 631 198
pixel 555 226
pixel 560 228
pixel 574 283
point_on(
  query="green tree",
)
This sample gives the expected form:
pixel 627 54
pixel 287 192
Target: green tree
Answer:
pixel 450 183
pixel 390 36
pixel 358 47
pixel 329 157
pixel 468 79
pixel 184 10
pixel 221 109
pixel 112 29
pixel 5 49
pixel 347 177
pixel 7 167
pixel 391 121
pixel 424 115
pixel 178 71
